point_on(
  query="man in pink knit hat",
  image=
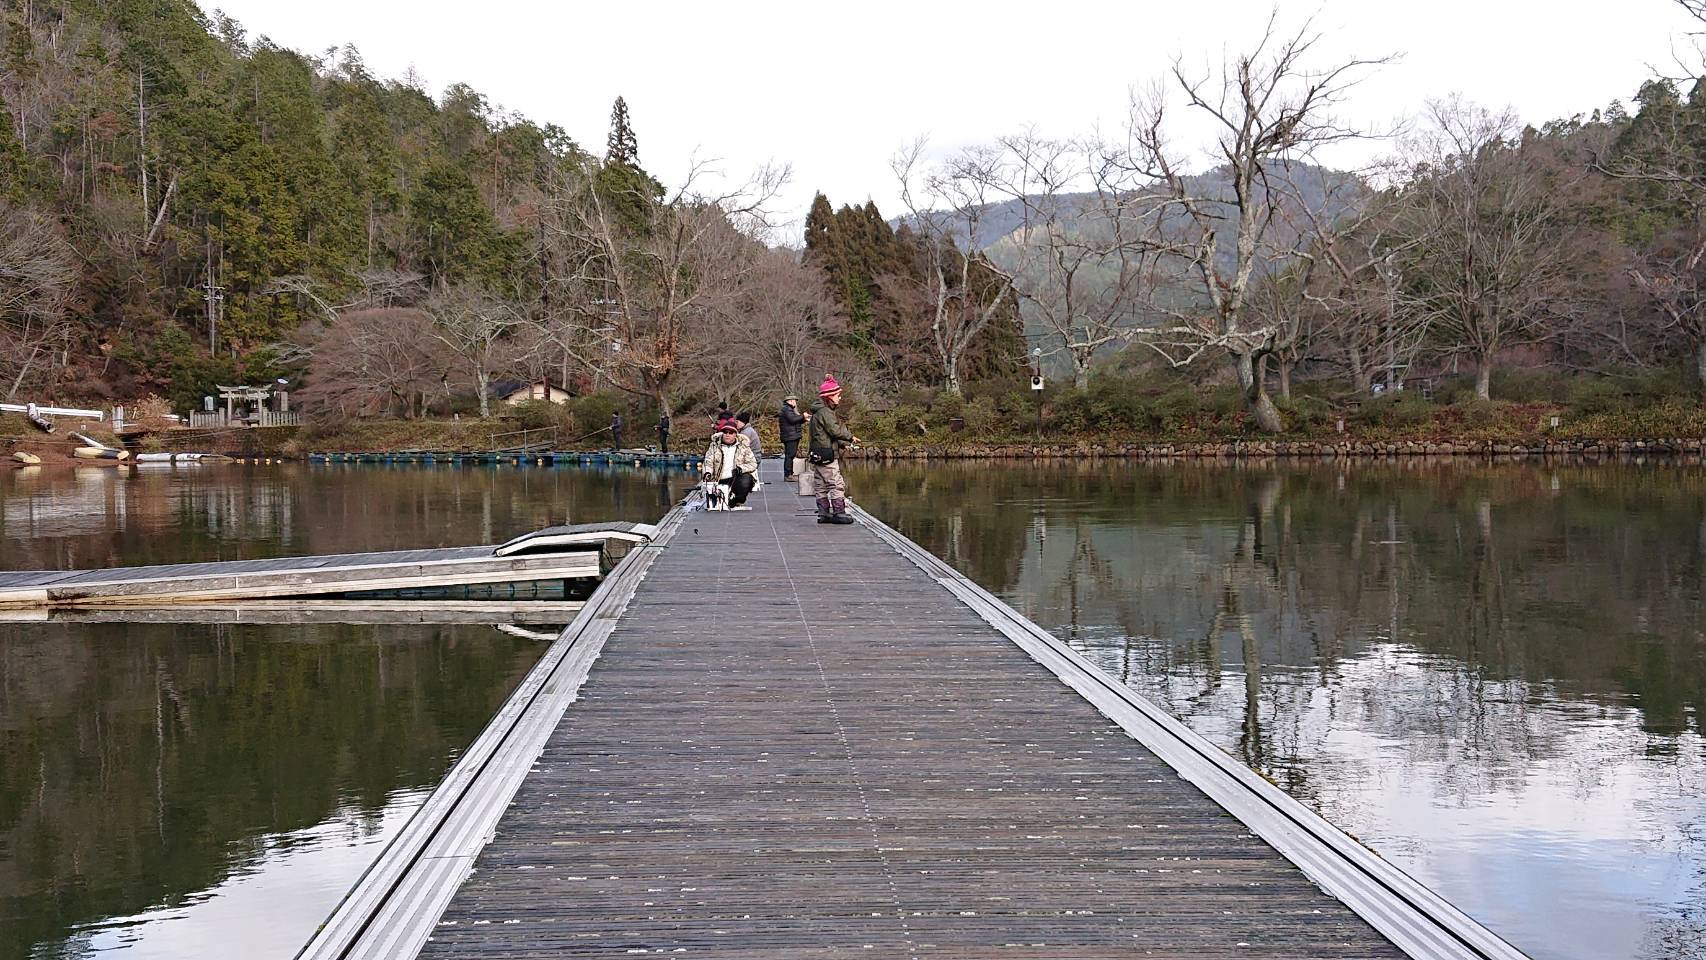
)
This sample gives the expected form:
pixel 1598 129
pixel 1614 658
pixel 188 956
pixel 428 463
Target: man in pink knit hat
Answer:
pixel 823 445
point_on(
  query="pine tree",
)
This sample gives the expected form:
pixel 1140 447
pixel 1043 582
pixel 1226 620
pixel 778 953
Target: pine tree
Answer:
pixel 623 148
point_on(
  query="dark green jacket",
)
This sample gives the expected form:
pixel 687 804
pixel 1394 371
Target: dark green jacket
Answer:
pixel 826 429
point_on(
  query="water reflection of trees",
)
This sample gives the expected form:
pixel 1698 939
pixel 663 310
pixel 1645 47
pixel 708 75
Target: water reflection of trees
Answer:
pixel 105 517
pixel 142 763
pixel 1493 674
pixel 1585 579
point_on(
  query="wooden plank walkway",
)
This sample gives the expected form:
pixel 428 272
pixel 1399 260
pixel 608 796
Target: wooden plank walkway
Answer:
pixel 799 742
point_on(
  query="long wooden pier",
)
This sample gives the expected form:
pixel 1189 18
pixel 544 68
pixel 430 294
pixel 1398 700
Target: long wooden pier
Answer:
pixel 763 737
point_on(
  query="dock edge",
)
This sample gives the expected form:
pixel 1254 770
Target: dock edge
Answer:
pixel 1416 919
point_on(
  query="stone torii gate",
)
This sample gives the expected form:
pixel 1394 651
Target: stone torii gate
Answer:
pixel 242 394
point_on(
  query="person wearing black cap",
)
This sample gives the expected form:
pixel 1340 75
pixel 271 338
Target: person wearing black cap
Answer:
pixel 792 422
pixel 750 432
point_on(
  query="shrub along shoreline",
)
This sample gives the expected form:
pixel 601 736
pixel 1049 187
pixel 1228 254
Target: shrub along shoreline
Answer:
pixel 1692 448
pixel 1651 413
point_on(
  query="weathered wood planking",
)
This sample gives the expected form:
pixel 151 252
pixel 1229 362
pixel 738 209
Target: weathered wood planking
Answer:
pixel 289 576
pixel 309 611
pixel 393 906
pixel 797 743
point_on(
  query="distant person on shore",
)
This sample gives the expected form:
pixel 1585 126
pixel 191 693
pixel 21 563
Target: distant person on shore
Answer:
pixel 616 431
pixel 663 432
pixel 792 423
pixel 823 448
pixel 750 432
pixel 730 462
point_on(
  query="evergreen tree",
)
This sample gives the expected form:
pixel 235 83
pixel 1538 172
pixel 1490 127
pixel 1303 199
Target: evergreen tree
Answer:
pixel 623 148
pixel 454 232
pixel 628 189
pixel 820 220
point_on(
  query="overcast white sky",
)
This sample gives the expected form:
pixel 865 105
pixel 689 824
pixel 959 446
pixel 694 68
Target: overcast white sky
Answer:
pixel 834 93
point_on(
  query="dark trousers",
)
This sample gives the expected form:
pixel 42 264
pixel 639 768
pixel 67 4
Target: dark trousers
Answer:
pixel 790 450
pixel 663 441
pixel 615 438
pixel 739 486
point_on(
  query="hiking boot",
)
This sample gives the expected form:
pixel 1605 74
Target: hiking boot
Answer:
pixel 825 518
pixel 840 518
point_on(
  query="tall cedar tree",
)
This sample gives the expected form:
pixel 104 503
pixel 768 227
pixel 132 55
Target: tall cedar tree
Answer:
pixel 859 251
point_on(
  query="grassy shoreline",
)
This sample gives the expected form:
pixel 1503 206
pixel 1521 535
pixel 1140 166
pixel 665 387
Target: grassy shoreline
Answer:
pixel 939 428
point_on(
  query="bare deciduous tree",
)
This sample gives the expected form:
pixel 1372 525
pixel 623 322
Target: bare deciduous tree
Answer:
pixel 477 329
pixel 794 321
pixel 1082 257
pixel 1485 264
pixel 1349 309
pixel 37 270
pixel 965 291
pixel 642 287
pixel 373 360
pixel 1271 110
pixel 780 332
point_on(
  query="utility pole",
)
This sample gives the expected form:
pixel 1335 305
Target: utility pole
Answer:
pixel 212 294
pixel 1037 386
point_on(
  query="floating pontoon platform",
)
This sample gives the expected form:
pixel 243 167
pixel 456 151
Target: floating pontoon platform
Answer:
pixel 564 553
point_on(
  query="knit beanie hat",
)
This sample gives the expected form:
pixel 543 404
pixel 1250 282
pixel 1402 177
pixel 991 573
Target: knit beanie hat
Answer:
pixel 829 386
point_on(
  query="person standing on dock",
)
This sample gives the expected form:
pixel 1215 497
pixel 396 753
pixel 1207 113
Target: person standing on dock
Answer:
pixel 792 423
pixel 616 432
pixel 663 432
pixel 827 437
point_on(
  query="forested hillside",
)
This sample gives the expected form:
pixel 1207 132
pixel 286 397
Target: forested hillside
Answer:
pixel 183 205
pixel 151 154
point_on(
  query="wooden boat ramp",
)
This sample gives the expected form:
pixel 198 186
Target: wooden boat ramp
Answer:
pixel 762 737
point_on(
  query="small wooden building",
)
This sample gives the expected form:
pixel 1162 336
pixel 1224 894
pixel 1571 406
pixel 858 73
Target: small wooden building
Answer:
pixel 520 391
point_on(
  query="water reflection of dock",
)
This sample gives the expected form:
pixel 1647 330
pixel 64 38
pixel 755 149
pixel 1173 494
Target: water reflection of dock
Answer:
pixel 796 741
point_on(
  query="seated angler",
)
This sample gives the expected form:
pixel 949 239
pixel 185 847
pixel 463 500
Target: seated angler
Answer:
pixel 730 462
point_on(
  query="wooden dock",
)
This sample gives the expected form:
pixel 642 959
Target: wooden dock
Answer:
pixel 769 738
pixel 576 554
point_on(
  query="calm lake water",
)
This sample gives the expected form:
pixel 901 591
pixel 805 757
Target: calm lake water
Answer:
pixel 1493 675
pixel 174 790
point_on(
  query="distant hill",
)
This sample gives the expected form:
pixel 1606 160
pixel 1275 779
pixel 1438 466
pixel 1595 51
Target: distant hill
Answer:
pixel 1329 194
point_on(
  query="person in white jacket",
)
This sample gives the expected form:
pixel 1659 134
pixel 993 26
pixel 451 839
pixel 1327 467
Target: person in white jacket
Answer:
pixel 730 462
